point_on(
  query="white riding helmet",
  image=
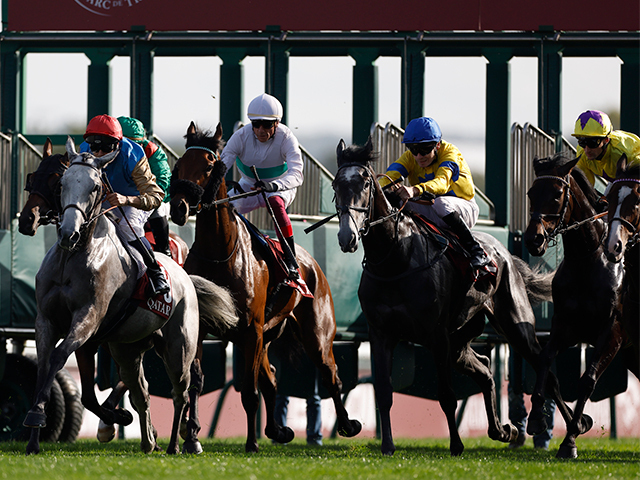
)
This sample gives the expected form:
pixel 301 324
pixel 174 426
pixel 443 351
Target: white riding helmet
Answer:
pixel 265 107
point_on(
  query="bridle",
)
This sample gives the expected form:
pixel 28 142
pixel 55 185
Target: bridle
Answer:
pixel 44 191
pixel 633 229
pixel 368 209
pixel 87 216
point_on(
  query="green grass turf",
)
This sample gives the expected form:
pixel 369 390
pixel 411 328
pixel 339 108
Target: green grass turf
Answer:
pixel 338 459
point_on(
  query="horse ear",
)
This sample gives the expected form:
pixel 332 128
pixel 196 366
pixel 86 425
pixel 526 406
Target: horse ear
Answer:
pixel 70 147
pixel 218 134
pixel 368 147
pixel 621 168
pixel 192 129
pixel 106 159
pixel 340 148
pixel 47 149
pixel 566 168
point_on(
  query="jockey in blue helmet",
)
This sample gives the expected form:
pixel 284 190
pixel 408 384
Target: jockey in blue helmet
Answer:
pixel 436 170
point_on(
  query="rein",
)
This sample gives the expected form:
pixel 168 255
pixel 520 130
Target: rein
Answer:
pixel 635 233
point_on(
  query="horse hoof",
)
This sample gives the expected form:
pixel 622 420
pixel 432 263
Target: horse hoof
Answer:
pixel 194 448
pixel 567 452
pixel 106 432
pixel 251 447
pixel 586 422
pixel 351 429
pixel 35 420
pixel 456 449
pixel 512 433
pixel 32 450
pixel 122 417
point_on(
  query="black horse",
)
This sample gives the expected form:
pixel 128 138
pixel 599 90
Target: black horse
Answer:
pixel 586 287
pixel 412 289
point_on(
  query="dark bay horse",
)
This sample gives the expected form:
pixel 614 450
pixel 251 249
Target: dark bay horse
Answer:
pixel 43 185
pixel 623 243
pixel 586 287
pixel 223 251
pixel 83 287
pixel 411 289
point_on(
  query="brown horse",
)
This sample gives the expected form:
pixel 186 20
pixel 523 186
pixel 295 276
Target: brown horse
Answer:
pixel 223 252
pixel 586 287
pixel 622 242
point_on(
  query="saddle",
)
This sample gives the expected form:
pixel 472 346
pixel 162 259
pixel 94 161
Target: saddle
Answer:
pixel 272 252
pixel 455 251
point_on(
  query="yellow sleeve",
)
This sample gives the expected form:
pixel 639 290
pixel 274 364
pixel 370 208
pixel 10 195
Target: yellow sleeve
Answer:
pixel 151 194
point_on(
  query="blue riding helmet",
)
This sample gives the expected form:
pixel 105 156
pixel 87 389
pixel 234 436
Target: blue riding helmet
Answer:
pixel 422 130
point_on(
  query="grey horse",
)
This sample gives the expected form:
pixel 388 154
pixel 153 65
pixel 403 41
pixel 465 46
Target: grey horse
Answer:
pixel 83 287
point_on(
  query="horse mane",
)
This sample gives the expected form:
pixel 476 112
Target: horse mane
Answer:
pixel 632 171
pixel 593 196
pixel 360 154
pixel 548 165
pixel 204 138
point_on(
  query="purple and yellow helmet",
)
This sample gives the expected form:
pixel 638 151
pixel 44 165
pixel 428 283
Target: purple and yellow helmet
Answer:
pixel 592 123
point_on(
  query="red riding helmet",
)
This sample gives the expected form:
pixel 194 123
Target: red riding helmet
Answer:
pixel 104 125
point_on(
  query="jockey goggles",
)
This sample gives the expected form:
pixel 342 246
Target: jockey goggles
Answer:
pixel 421 148
pixel 266 124
pixel 102 143
pixel 591 142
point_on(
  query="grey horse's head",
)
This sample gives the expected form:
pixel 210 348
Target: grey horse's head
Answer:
pixel 81 193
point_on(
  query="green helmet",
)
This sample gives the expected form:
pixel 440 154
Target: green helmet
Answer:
pixel 132 128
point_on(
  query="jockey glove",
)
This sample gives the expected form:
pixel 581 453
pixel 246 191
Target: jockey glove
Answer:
pixel 266 186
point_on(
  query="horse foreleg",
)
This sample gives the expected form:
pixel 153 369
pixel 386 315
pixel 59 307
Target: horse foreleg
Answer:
pixel 604 353
pixel 267 379
pixel 446 395
pixel 249 392
pixel 382 355
pixel 537 423
pixel 190 428
pixel 50 361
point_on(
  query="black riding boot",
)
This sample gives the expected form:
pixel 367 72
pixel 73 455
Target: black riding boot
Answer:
pixel 478 257
pixel 290 258
pixel 159 284
pixel 160 229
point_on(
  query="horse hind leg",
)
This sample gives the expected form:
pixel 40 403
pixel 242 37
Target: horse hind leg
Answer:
pixel 478 367
pixel 129 358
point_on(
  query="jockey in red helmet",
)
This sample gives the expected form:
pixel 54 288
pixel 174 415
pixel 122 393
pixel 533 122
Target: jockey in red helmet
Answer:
pixel 135 188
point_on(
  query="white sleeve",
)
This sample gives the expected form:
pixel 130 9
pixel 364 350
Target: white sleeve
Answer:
pixel 233 149
pixel 290 151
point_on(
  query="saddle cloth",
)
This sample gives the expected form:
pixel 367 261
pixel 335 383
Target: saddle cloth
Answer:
pixel 273 251
pixel 456 252
pixel 159 304
pixel 176 252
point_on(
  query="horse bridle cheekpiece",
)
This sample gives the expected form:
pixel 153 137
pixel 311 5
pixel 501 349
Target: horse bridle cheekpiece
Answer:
pixel 628 225
pixel 560 225
pixel 99 199
pixel 368 223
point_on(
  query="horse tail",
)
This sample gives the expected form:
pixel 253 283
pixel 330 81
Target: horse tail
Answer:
pixel 216 305
pixel 538 283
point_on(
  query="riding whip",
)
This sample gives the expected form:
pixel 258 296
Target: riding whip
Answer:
pixel 284 244
pixel 326 219
pixel 146 253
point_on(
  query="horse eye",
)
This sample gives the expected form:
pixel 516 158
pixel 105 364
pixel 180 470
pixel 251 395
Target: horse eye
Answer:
pixel 209 167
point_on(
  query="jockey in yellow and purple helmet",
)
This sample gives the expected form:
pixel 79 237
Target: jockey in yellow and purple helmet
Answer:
pixel 437 169
pixel 600 146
